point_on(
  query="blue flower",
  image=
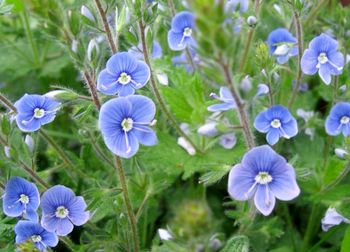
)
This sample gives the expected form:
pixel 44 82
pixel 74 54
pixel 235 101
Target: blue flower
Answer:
pixel 276 122
pixel 61 209
pixel 33 111
pixel 122 75
pixel 282 45
pixel 237 5
pixel 265 175
pixel 28 230
pixel 21 198
pixel 338 120
pixel 182 60
pixel 227 99
pixel 137 52
pixel 322 57
pixel 124 124
pixel 180 34
pixel 332 218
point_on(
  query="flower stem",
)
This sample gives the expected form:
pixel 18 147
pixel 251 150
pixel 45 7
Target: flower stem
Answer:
pixel 33 175
pixel 131 215
pixel 7 103
pixel 172 7
pixel 156 92
pixel 314 12
pixel 249 40
pixel 299 34
pixel 244 121
pixel 106 26
pixel 310 229
pixel 92 89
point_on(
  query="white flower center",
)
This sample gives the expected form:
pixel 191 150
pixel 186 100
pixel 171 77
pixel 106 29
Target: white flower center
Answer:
pixel 61 212
pixel 36 238
pixel 187 32
pixel 322 58
pixel 127 124
pixel 282 50
pixel 39 113
pixel 24 199
pixel 276 123
pixel 124 78
pixel 263 178
pixel 344 120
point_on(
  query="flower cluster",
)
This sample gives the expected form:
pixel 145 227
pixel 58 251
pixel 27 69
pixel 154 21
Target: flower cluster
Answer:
pixel 61 209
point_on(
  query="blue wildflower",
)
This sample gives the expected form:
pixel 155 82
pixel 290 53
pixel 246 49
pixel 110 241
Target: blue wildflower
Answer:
pixel 338 120
pixel 28 230
pixel 282 45
pixel 122 75
pixel 322 57
pixel 228 141
pixel 180 34
pixel 182 60
pixel 276 122
pixel 227 99
pixel 263 89
pixel 265 175
pixel 237 5
pixel 124 123
pixel 21 198
pixel 61 209
pixel 332 218
pixel 137 52
pixel 33 111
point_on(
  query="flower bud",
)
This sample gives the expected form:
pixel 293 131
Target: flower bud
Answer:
pixel 251 20
pixel 87 13
pixel 7 151
pixel 93 48
pixel 164 234
pixel 341 153
pixel 29 141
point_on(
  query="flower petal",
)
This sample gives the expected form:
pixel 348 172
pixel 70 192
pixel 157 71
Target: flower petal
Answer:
pixel 143 108
pixel 182 20
pixel 221 107
pixel 50 239
pixel 118 145
pixel 107 83
pixel 290 128
pixel 325 74
pixel 122 62
pixel 273 136
pixel 336 62
pixel 145 135
pixel 264 200
pixel 141 74
pixel 309 62
pixel 332 126
pixel 77 214
pixel 241 182
pixel 26 123
pixel 126 90
pixel 175 40
pixel 261 123
pixel 283 185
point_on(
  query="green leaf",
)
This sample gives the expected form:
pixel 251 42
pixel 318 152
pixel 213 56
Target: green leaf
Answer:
pixel 239 243
pixel 345 245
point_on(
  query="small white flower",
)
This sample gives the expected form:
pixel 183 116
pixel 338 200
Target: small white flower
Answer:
pixel 306 115
pixel 29 141
pixel 87 13
pixel 164 234
pixel 186 145
pixel 163 78
pixel 7 151
pixel 341 153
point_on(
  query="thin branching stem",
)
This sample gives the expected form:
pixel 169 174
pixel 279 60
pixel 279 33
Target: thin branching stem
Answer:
pixel 244 120
pixel 127 201
pixel 299 33
pixel 106 27
pixel 92 89
pixel 156 92
pixel 7 103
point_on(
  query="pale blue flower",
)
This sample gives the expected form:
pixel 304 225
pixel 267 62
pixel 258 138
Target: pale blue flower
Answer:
pixel 323 57
pixel 332 218
pixel 264 175
pixel 32 231
pixel 225 97
pixel 277 122
pixel 181 33
pixel 125 123
pixel 338 120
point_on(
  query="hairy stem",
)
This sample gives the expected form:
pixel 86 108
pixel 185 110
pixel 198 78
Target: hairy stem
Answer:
pixel 299 33
pixel 156 92
pixel 131 215
pixel 92 89
pixel 106 26
pixel 7 103
pixel 172 7
pixel 243 117
pixel 33 175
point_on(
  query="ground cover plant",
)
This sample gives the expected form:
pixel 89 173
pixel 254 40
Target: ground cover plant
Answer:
pixel 202 125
